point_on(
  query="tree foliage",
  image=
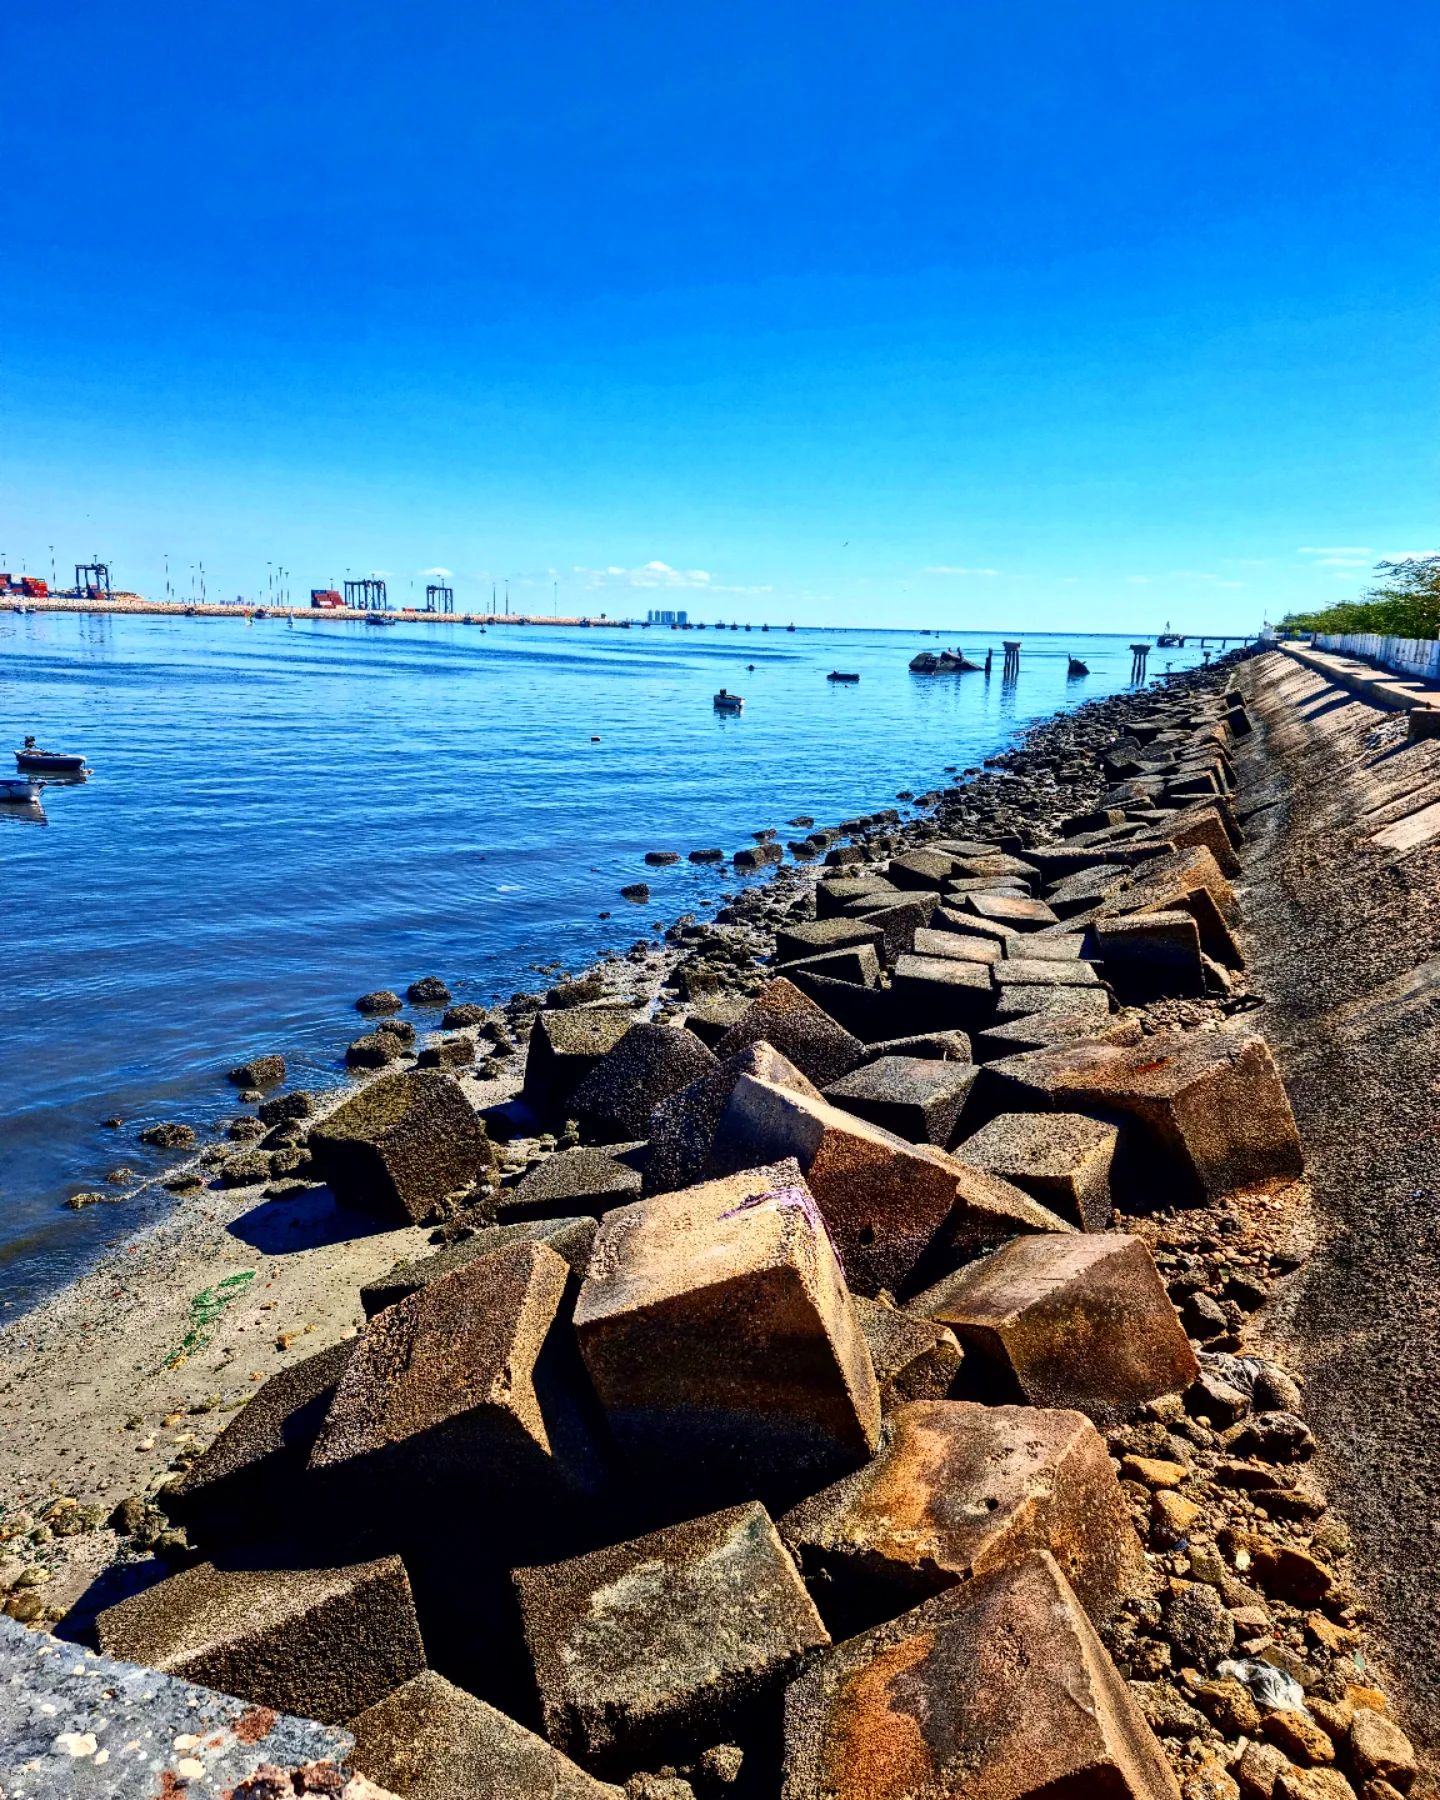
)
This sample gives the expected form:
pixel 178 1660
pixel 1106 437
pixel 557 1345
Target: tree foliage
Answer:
pixel 1405 604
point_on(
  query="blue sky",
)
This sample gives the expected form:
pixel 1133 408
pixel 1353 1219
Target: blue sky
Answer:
pixel 1020 314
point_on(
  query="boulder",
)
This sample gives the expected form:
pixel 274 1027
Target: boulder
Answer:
pixel 719 1332
pixel 1061 1159
pixel 1151 956
pixel 613 1103
pixel 1082 1321
pixel 685 1637
pixel 248 1483
pixel 373 1050
pixel 565 1044
pixel 568 1238
pixel 794 943
pixel 430 1740
pixel 429 990
pixel 468 1388
pixel 1013 910
pixel 956 1490
pixel 401 1145
pixel 1201 1114
pixel 796 1027
pixel 321 1643
pixel 938 993
pixel 998 1689
pixel 756 856
pixel 382 1000
pixel 913 1359
pixel 682 1128
pixel 915 1097
pixel 259 1072
pixel 586 1181
pixel 885 1201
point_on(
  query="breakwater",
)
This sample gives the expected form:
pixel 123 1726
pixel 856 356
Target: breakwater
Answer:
pixel 876 1305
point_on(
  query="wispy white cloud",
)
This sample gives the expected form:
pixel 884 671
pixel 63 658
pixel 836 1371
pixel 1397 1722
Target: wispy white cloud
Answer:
pixel 438 574
pixel 954 569
pixel 1138 580
pixel 658 574
pixel 1334 550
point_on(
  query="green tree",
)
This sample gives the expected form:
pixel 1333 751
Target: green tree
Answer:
pixel 1406 603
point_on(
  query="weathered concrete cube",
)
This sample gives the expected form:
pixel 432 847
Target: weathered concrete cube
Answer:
pixel 899 918
pixel 915 1097
pixel 920 869
pixel 1084 889
pixel 323 1643
pixel 614 1101
pixel 682 1128
pixel 470 1386
pixel 1062 1159
pixel 718 1328
pixel 1023 1001
pixel 1081 1321
pixel 1151 956
pixel 1201 1114
pixel 682 1637
pixel 968 924
pixel 958 945
pixel 245 1484
pixel 1054 1025
pixel 1203 825
pixel 935 1046
pixel 1184 881
pixel 804 1034
pixel 401 1145
pixel 565 1044
pixel 568 1238
pixel 995 1690
pixel 814 937
pixel 1043 971
pixel 857 963
pixel 956 1490
pixel 1012 910
pixel 913 1359
pixel 867 1013
pixel 711 1019
pixel 995 863
pixel 832 897
pixel 586 1181
pixel 885 1201
pixel 938 993
pixel 432 1739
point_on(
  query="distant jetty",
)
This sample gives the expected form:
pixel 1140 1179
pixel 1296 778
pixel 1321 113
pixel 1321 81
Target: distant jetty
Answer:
pixel 214 609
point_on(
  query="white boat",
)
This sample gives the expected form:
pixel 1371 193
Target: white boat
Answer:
pixel 727 702
pixel 19 788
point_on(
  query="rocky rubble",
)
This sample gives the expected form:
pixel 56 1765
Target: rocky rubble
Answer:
pixel 857 1395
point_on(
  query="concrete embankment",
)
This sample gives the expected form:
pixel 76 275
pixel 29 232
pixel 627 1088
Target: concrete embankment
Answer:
pixel 1342 891
pixel 846 1377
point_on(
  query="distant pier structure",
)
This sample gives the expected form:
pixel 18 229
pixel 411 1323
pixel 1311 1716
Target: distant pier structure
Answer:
pixel 1011 668
pixel 368 595
pixel 439 598
pixel 1139 655
pixel 92 581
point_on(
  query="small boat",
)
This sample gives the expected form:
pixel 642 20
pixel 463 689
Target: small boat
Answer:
pixel 35 761
pixel 378 619
pixel 789 627
pixel 835 675
pixel 20 790
pixel 948 662
pixel 727 702
pixel 261 613
pixel 1077 667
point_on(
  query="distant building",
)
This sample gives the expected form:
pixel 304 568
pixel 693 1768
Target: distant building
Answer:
pixel 665 616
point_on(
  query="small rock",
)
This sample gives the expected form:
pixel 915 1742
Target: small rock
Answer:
pixel 1203 1317
pixel 638 891
pixel 381 1001
pixel 259 1072
pixel 1313 1784
pixel 1197 1623
pixel 1274 1391
pixel 1379 1749
pixel 658 1787
pixel 1172 1516
pixel 1229 1706
pixel 1165 1711
pixel 1211 1781
pixel 1154 1471
pixel 1302 1740
pixel 722 1762
pixel 429 990
pixel 169 1136
pixel 1259 1769
pixel 1277 1437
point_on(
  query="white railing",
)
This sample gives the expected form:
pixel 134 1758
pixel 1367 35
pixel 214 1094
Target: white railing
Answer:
pixel 1407 656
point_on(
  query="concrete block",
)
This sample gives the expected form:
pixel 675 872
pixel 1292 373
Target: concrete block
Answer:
pixel 614 1101
pixel 711 1019
pixel 1051 1026
pixel 920 869
pixel 1077 893
pixel 401 1145
pixel 568 1238
pixel 565 1044
pixel 1060 1159
pixel 952 918
pixel 934 993
pixel 794 943
pixel 867 1014
pixel 940 1046
pixel 583 1182
pixel 1151 956
pixel 1197 825
pixel 886 1202
pixel 320 1643
pixel 957 944
pixel 995 864
pixel 1020 1000
pixel 913 1359
pixel 956 1490
pixel 1081 1321
pixel 682 1637
pixel 832 897
pixel 1047 945
pixel 857 963
pixel 915 1097
pixel 682 1128
pixel 899 918
pixel 468 1386
pixel 781 1015
pixel 718 1330
pixel 77 1726
pixel 1044 971
pixel 1013 910
pixel 430 1740
pixel 1184 881
pixel 1201 1114
pixel 998 1689
pixel 246 1483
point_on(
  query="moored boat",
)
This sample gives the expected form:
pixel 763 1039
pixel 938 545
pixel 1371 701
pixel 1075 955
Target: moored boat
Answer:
pixel 32 760
pixel 727 702
pixel 836 675
pixel 19 790
pixel 375 618
pixel 1077 667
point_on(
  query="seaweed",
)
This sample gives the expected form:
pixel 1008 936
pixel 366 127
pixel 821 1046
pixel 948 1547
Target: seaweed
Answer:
pixel 205 1311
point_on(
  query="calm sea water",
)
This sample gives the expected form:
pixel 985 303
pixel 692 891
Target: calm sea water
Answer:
pixel 279 819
